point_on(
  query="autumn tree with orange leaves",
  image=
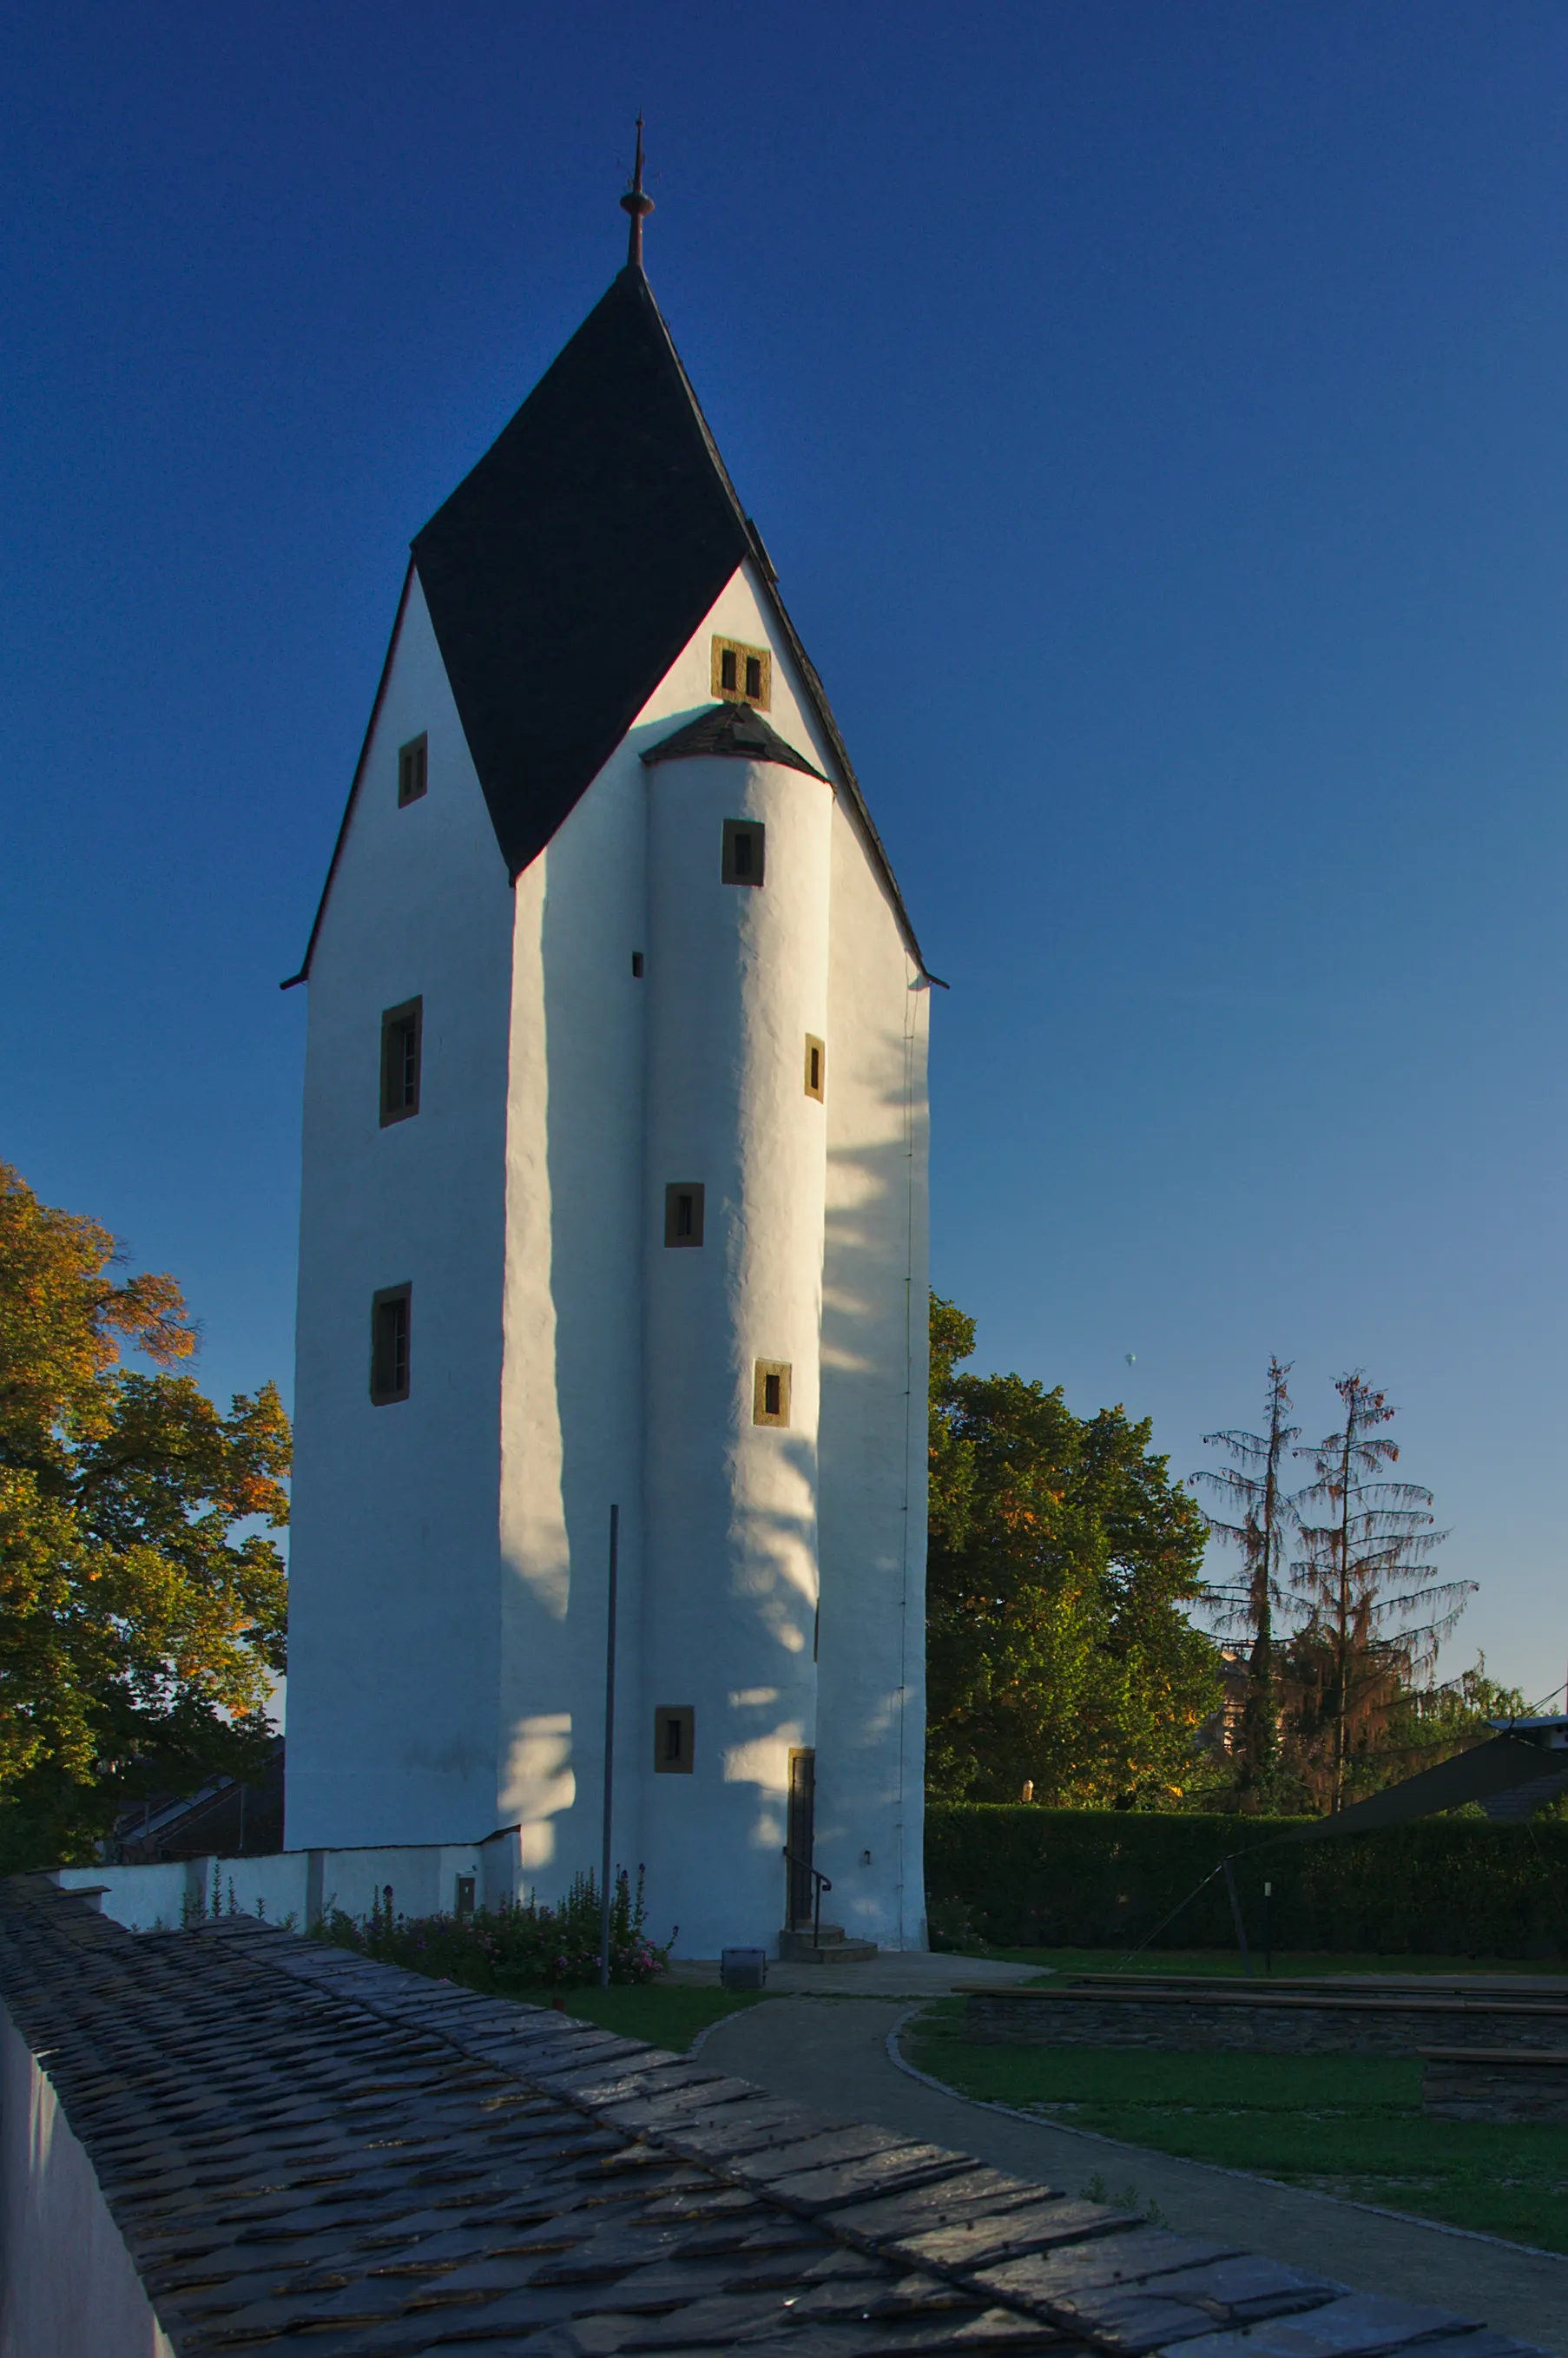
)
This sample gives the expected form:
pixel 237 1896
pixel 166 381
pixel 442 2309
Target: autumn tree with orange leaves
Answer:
pixel 1062 1556
pixel 139 1633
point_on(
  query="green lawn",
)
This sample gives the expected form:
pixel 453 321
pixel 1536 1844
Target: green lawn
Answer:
pixel 666 2016
pixel 1346 2124
pixel 1291 1962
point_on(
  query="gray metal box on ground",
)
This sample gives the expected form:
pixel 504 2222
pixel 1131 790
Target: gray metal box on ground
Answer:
pixel 743 1969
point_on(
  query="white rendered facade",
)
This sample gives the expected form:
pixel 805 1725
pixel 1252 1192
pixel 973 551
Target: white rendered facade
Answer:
pixel 449 1555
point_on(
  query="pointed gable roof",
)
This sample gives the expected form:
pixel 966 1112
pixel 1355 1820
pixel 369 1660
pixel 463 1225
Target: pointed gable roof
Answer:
pixel 570 567
pixel 566 572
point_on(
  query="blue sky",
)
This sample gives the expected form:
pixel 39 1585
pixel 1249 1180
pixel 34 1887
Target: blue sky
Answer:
pixel 1157 416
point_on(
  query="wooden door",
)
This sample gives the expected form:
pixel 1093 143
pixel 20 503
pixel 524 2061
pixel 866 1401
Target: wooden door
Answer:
pixel 802 1813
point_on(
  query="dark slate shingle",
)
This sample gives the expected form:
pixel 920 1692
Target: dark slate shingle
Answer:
pixel 306 2149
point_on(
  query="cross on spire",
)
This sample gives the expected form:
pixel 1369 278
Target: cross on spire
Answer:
pixel 636 203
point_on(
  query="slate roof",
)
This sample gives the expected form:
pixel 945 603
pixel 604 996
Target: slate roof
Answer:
pixel 732 730
pixel 572 566
pixel 304 2149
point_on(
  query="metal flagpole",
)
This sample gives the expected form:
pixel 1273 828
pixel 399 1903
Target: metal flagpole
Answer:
pixel 608 1751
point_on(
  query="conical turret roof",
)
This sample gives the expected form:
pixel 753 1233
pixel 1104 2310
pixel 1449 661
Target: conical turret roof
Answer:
pixel 732 729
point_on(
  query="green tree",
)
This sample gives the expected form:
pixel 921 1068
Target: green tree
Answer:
pixel 1427 1723
pixel 1061 1558
pixel 140 1631
pixel 1262 1512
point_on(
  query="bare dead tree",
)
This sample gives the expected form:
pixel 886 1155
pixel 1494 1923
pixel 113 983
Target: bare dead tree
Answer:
pixel 1261 1513
pixel 1373 1612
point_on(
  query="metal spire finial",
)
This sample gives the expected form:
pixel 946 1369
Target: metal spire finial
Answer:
pixel 636 203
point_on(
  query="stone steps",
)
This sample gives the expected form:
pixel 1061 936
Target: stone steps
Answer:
pixel 825 1946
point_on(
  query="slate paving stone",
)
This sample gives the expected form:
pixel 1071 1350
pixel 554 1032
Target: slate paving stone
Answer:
pixel 585 2337
pixel 673 2104
pixel 652 2072
pixel 719 2322
pixel 1138 2253
pixel 880 2173
pixel 1250 2286
pixel 983 2192
pixel 786 2158
pixel 341 2342
pixel 589 2073
pixel 602 2260
pixel 722 2201
pixel 736 2130
pixel 531 2309
pixel 671 2284
pixel 1132 2318
pixel 1481 2343
pixel 914 2338
pixel 869 2296
pixel 650 2163
pixel 991 2238
pixel 1362 2325
pixel 838 2260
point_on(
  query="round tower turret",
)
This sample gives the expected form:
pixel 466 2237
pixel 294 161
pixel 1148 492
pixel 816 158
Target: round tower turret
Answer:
pixel 740 831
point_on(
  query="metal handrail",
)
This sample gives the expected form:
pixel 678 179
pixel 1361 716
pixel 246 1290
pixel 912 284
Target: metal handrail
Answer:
pixel 822 1882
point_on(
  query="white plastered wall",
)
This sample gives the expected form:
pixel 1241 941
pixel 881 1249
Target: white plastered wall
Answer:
pixel 571 1405
pixel 68 2288
pixel 394 1555
pixel 584 1192
pixel 738 977
pixel 578 1218
pixel 875 1354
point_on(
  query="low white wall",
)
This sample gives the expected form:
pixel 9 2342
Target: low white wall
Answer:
pixel 296 1886
pixel 68 2288
pixel 147 1898
pixel 423 1878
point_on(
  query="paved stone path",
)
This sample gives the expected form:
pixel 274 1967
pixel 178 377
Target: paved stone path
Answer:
pixel 833 2052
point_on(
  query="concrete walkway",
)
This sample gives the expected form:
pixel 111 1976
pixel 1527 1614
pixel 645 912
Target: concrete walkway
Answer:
pixel 835 2055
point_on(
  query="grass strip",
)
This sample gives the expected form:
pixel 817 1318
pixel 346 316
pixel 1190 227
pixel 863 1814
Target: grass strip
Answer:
pixel 1346 2124
pixel 669 2016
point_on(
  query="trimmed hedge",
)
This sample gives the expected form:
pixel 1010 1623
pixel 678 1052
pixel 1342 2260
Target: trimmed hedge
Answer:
pixel 1023 1877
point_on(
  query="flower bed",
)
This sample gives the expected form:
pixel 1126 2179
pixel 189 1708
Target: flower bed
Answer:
pixel 528 1946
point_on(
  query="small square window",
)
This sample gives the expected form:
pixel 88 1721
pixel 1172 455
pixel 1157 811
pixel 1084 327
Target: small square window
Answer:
pixel 413 770
pixel 682 1213
pixel 400 1037
pixel 742 675
pixel 745 850
pixel 674 1737
pixel 816 1068
pixel 389 1337
pixel 770 1397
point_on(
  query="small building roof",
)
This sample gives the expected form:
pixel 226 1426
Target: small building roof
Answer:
pixel 306 2149
pixel 732 729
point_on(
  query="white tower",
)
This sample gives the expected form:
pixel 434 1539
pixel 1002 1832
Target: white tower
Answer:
pixel 614 1194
